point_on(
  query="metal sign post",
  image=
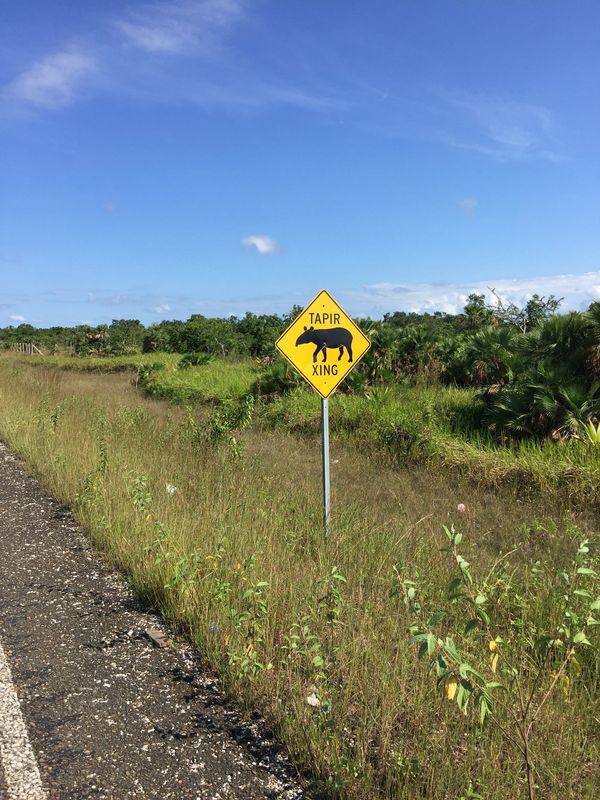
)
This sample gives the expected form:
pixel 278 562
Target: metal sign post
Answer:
pixel 324 344
pixel 326 475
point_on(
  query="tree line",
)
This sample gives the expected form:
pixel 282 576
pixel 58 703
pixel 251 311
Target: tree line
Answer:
pixel 537 370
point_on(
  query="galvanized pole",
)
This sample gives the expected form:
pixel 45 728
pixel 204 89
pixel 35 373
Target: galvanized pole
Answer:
pixel 326 479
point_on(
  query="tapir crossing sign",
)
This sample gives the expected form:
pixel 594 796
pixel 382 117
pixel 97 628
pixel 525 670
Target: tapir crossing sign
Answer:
pixel 323 344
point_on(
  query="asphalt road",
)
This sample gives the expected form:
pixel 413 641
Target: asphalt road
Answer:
pixel 88 703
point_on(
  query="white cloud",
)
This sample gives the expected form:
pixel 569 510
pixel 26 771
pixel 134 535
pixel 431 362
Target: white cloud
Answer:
pixel 265 246
pixel 162 309
pixel 17 318
pixel 180 26
pixel 469 204
pixel 51 82
pixel 376 299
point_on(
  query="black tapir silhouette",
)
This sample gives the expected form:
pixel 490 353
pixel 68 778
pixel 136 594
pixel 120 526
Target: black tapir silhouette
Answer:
pixel 327 337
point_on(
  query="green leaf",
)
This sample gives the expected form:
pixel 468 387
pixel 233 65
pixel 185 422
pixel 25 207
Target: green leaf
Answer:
pixel 485 708
pixel 443 677
pixel 437 617
pixel 430 644
pixel 451 649
pixel 541 645
pixel 595 605
pixel 580 638
pixel 465 690
pixel 462 696
pixel 480 600
pixel 471 625
pixel 468 668
pixel 586 571
pixel 318 661
pixel 458 538
pixel 582 593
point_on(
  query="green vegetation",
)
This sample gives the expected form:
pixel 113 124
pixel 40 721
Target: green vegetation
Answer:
pixel 537 372
pixel 214 381
pixel 128 363
pixel 485 425
pixel 445 427
pixel 221 530
pixel 442 428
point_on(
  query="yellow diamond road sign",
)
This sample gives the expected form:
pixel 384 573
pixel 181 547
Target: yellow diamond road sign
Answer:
pixel 323 344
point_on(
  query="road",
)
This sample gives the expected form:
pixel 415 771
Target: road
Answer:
pixel 90 707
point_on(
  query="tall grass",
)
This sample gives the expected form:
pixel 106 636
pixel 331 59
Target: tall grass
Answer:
pixel 440 427
pixel 311 631
pixel 209 383
pixel 130 363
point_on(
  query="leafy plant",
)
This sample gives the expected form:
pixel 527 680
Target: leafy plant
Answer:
pixel 591 432
pixel 250 621
pixel 194 360
pixel 470 657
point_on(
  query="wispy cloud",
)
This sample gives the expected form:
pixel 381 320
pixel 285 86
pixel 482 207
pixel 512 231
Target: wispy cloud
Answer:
pixel 502 127
pixel 163 308
pixel 52 81
pixel 264 245
pixel 17 318
pixel 174 53
pixel 197 26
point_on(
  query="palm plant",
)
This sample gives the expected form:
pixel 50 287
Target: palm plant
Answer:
pixel 547 406
pixel 560 340
pixel 379 363
pixel 593 350
pixel 492 355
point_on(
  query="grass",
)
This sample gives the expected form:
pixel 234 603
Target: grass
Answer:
pixel 236 557
pixel 217 380
pixel 438 427
pixel 160 376
pixel 131 363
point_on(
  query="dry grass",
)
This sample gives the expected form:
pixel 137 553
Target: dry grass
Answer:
pixel 200 554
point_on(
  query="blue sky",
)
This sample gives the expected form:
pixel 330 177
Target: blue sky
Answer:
pixel 216 156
